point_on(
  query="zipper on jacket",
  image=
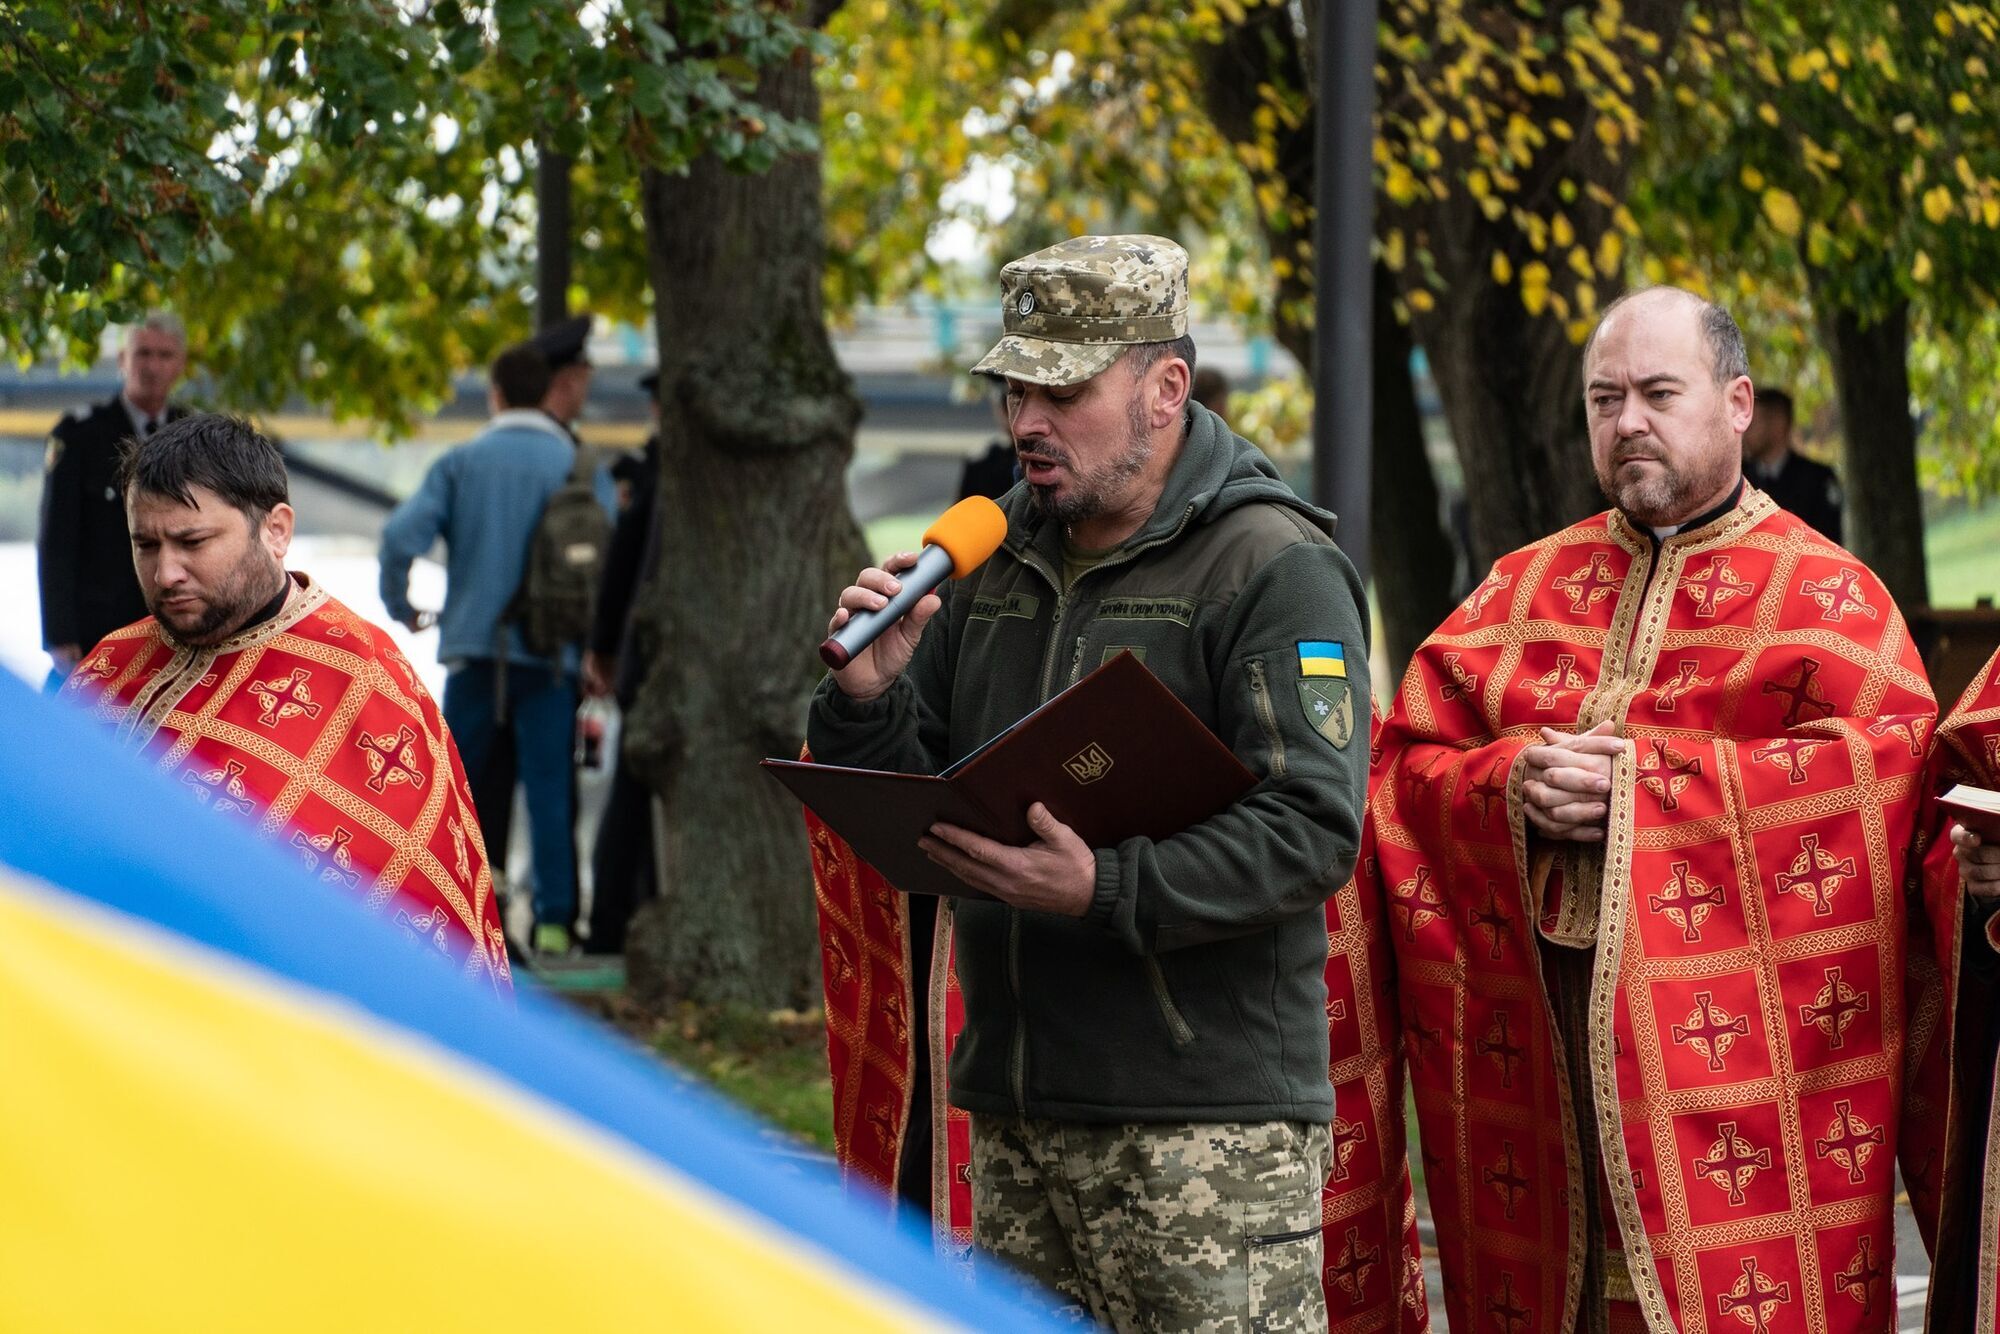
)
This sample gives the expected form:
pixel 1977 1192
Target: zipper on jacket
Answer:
pixel 1076 660
pixel 1280 1238
pixel 1049 654
pixel 1267 717
pixel 1177 1027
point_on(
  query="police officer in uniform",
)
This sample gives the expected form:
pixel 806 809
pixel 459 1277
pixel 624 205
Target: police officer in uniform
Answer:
pixel 83 548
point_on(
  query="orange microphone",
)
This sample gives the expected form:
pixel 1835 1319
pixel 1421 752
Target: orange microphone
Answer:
pixel 956 545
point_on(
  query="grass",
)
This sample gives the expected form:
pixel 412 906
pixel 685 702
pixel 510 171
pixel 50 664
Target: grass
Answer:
pixel 1963 551
pixel 770 1063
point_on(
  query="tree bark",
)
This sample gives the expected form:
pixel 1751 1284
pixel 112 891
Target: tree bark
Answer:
pixel 1512 388
pixel 1885 517
pixel 755 542
pixel 1411 554
pixel 1511 382
pixel 1414 560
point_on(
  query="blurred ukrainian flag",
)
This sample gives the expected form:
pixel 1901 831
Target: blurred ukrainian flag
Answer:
pixel 230 1099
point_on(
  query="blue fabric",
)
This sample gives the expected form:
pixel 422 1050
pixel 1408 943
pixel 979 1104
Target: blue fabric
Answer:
pixel 483 499
pixel 86 817
pixel 542 712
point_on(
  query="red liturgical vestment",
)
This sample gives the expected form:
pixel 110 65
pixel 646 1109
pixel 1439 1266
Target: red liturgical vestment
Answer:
pixel 1370 1267
pixel 1659 1078
pixel 313 728
pixel 1965 1278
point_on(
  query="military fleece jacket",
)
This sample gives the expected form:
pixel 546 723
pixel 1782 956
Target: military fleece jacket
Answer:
pixel 1193 988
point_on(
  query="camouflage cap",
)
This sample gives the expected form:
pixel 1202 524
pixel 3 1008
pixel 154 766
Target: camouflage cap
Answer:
pixel 1071 310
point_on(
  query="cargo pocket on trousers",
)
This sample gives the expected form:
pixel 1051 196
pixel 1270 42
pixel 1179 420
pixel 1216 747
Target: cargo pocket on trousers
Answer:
pixel 1281 1248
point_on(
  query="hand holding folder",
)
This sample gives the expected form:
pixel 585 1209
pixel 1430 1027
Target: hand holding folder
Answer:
pixel 1115 756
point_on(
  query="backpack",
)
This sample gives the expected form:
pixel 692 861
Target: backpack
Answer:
pixel 558 592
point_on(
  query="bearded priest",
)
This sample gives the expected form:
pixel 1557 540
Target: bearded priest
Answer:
pixel 1641 814
pixel 267 700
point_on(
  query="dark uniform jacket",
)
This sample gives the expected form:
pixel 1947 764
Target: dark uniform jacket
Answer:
pixel 83 546
pixel 1806 487
pixel 1193 988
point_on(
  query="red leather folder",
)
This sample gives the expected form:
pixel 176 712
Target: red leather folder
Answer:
pixel 1115 756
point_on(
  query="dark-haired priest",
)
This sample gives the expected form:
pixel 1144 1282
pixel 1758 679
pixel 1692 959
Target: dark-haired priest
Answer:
pixel 267 700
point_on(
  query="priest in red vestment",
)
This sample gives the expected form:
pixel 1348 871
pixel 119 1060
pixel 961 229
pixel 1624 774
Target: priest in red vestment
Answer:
pixel 266 699
pixel 1962 887
pixel 1641 815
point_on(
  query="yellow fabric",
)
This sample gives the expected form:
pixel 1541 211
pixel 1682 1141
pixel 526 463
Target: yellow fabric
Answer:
pixel 185 1146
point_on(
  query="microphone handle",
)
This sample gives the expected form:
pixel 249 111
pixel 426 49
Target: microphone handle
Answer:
pixel 933 567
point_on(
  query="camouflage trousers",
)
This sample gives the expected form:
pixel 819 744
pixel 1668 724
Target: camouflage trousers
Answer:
pixel 1159 1227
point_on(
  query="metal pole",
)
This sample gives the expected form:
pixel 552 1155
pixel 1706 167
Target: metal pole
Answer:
pixel 1344 195
pixel 552 236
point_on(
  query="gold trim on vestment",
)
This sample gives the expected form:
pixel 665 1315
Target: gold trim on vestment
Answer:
pixel 1630 660
pixel 1531 908
pixel 937 1037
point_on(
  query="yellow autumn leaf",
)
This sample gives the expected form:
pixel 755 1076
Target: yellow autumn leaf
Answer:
pixel 1752 178
pixel 1400 185
pixel 1610 249
pixel 1920 268
pixel 1782 211
pixel 1768 114
pixel 1989 209
pixel 1937 203
pixel 1961 104
pixel 1421 300
pixel 1502 268
pixel 1560 230
pixel 1579 261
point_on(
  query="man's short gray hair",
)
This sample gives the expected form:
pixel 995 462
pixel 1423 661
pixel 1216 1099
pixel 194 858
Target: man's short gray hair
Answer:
pixel 1727 357
pixel 163 322
pixel 1142 356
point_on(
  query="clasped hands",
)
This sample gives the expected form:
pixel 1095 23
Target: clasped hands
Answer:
pixel 1566 782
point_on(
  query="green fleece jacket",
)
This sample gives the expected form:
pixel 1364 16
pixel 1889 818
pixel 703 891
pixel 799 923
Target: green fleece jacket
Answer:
pixel 1193 988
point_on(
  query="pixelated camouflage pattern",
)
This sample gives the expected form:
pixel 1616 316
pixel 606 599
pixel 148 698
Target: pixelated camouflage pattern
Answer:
pixel 1159 1227
pixel 1071 310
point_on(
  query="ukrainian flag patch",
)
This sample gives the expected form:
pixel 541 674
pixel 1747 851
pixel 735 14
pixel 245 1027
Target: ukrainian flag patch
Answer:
pixel 1322 657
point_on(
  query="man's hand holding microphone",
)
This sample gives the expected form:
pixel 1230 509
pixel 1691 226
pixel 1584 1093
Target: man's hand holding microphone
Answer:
pixel 871 638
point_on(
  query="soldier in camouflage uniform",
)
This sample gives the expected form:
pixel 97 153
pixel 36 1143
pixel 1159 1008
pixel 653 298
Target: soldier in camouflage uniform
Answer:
pixel 1145 1048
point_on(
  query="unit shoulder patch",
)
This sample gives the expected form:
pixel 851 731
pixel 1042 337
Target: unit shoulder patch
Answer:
pixel 1329 706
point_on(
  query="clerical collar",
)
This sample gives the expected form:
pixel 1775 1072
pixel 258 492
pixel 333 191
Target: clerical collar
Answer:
pixel 1700 520
pixel 268 610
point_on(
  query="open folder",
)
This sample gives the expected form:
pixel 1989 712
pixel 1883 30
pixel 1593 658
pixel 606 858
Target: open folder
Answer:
pixel 1977 808
pixel 1115 756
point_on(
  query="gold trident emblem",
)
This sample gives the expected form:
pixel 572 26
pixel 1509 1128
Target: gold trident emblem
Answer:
pixel 1089 764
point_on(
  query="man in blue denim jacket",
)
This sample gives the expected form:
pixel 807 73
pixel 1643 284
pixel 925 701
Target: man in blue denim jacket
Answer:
pixel 484 499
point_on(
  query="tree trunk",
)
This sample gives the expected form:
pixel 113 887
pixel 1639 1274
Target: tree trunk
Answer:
pixel 1885 517
pixel 553 236
pixel 755 542
pixel 1512 388
pixel 1511 382
pixel 1411 554
pixel 1413 558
